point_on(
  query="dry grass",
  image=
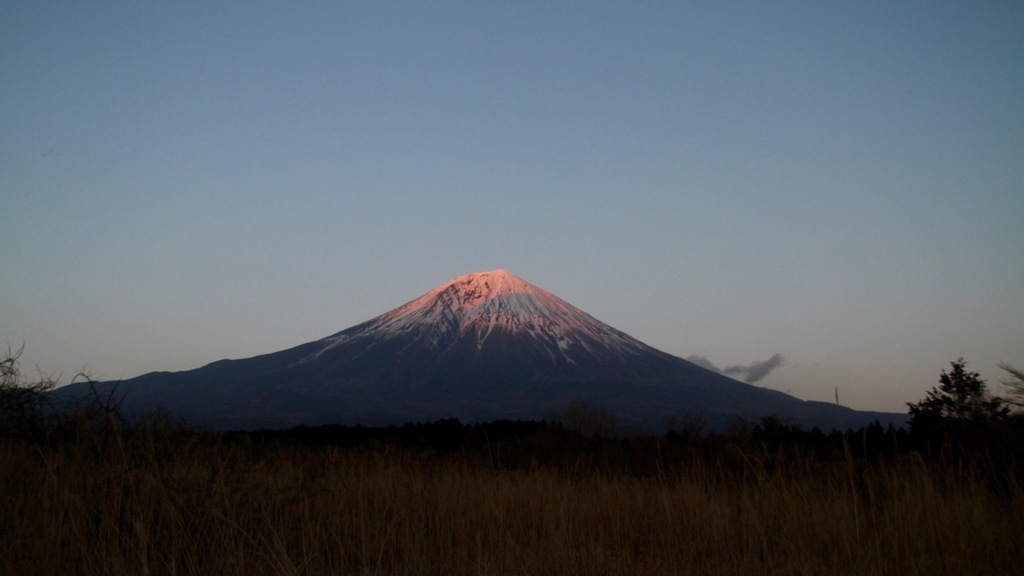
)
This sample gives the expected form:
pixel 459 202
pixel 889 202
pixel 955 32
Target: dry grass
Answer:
pixel 198 509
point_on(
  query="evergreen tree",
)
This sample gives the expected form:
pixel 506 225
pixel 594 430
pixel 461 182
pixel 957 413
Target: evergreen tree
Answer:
pixel 960 407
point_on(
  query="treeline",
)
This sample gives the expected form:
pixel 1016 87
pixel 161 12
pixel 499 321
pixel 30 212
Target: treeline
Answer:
pixel 959 422
pixel 525 444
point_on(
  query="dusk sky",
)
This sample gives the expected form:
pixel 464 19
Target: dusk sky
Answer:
pixel 839 183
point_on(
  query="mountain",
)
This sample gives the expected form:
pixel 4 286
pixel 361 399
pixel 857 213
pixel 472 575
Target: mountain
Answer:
pixel 480 347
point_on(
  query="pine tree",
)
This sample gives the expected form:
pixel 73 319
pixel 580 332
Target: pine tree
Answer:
pixel 959 407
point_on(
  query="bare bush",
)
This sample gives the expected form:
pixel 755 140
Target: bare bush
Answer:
pixel 21 401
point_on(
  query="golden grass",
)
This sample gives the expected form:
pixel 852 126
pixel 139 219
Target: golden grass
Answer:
pixel 188 508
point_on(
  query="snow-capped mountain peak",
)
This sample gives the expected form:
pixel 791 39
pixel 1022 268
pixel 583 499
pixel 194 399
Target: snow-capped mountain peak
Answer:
pixel 484 305
pixel 471 291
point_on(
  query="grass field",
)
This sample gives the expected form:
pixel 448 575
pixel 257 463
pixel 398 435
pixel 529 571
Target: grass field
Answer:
pixel 199 504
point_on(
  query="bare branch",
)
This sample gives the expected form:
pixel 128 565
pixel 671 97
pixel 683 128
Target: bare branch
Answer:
pixel 1015 385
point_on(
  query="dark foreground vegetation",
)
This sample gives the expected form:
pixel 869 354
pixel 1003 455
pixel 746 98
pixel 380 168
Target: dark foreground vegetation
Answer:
pixel 90 493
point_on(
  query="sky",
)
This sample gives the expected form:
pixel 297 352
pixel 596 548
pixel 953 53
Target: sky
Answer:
pixel 834 188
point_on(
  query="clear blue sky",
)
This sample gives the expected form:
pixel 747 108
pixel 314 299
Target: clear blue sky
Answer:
pixel 838 182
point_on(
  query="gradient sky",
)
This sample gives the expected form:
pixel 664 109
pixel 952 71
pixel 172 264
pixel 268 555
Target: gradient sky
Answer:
pixel 841 183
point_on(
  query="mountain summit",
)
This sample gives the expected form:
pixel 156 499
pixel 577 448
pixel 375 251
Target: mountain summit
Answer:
pixel 488 312
pixel 479 347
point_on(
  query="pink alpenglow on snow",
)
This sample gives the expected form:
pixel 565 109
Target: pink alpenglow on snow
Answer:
pixel 487 303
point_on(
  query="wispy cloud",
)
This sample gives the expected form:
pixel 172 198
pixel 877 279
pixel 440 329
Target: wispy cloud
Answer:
pixel 703 362
pixel 749 373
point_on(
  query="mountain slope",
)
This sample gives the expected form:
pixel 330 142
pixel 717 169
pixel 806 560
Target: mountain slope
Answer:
pixel 480 347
